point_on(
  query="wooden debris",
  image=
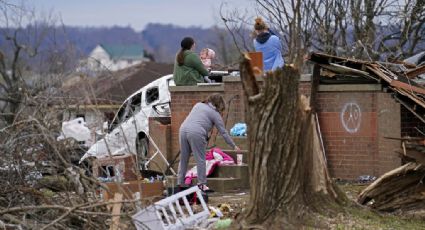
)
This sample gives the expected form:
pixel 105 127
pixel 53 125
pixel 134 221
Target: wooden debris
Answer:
pixel 415 72
pixel 401 189
pixel 116 211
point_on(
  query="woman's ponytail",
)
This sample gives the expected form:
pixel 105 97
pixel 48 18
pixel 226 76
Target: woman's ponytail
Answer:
pixel 186 44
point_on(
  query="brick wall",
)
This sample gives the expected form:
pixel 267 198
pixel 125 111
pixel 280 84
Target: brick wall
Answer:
pixel 183 98
pixel 233 92
pixel 348 124
pixel 353 126
pixel 354 122
pixel 388 116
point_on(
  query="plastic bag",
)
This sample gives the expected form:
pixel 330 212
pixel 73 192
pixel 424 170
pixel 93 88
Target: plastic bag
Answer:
pixel 239 129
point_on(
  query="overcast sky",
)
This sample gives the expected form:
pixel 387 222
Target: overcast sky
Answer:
pixel 138 13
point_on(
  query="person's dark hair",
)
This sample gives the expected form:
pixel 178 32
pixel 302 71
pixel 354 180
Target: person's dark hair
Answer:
pixel 185 44
pixel 217 101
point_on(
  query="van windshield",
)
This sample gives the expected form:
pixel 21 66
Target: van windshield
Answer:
pixel 130 108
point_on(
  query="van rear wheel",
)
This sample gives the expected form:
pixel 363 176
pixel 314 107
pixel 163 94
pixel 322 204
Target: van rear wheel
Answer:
pixel 142 148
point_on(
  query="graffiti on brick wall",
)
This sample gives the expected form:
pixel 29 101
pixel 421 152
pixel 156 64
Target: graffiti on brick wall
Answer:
pixel 351 117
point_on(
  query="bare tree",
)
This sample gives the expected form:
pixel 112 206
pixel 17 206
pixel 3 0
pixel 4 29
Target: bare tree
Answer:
pixel 366 29
pixel 289 180
pixel 23 34
pixel 406 29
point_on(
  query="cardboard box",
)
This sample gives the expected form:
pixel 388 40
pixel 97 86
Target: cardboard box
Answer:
pixel 108 167
pixel 257 62
pixel 129 188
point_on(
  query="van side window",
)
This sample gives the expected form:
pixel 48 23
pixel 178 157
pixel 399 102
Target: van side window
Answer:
pixel 152 95
pixel 136 103
pixel 122 113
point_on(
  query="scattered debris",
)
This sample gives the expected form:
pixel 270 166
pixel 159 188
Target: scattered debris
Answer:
pixel 366 178
pixel 129 130
pixel 401 189
pixel 173 212
pixel 402 79
pixel 76 129
pixel 239 129
pixel 223 224
pixel 116 210
pixel 130 188
pixel 222 210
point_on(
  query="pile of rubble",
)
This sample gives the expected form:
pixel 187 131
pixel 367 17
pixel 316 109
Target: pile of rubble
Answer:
pixel 402 189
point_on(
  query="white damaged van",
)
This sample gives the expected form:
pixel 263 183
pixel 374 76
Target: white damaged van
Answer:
pixel 127 133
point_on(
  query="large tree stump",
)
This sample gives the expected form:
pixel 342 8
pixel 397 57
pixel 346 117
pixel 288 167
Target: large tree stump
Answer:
pixel 289 180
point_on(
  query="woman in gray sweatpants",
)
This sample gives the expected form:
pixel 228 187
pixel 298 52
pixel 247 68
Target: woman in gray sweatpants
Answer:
pixel 194 134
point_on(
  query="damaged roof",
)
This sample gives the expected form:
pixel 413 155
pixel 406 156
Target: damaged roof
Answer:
pixel 402 79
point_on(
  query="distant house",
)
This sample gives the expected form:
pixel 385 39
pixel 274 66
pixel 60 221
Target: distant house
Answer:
pixel 115 57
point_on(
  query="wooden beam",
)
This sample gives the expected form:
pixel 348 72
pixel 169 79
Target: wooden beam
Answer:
pixel 399 84
pixel 413 97
pixel 415 72
pixel 116 211
pixel 378 72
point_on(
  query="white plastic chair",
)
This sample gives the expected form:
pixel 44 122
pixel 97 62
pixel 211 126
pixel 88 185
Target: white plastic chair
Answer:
pixel 168 213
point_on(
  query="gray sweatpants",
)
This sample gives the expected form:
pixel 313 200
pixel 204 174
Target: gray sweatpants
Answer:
pixel 196 144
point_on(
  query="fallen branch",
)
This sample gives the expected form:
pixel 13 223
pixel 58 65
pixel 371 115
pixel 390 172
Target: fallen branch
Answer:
pixel 59 218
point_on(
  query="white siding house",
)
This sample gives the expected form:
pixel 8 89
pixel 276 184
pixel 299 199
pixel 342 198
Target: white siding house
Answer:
pixel 115 57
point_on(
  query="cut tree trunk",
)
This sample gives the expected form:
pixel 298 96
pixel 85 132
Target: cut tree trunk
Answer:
pixel 401 189
pixel 289 180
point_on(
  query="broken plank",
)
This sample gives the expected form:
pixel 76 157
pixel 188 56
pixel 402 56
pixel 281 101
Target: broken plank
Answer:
pixel 402 85
pixel 375 69
pixel 397 189
pixel 411 96
pixel 415 72
pixel 346 70
pixel 116 211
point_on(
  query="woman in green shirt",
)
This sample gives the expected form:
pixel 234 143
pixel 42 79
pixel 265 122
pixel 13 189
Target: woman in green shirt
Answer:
pixel 188 68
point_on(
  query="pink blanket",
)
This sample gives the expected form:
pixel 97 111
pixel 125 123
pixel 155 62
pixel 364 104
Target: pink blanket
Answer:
pixel 213 158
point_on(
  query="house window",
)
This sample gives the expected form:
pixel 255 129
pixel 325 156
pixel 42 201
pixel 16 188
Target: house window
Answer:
pixel 152 95
pixel 106 171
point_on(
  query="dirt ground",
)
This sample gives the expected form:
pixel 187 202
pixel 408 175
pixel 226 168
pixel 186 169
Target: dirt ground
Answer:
pixel 355 217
